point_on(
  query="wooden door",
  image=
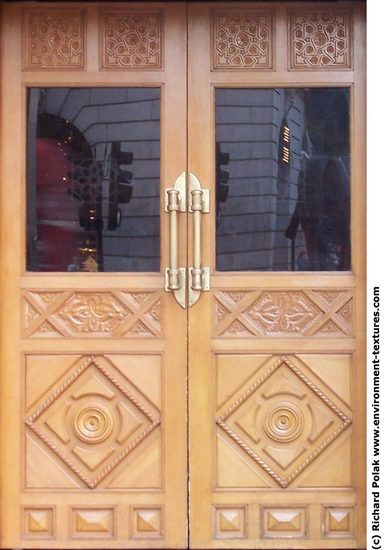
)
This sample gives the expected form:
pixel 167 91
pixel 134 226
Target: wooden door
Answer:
pixel 99 369
pixel 93 450
pixel 277 364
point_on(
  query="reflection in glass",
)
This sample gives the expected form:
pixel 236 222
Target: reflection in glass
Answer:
pixel 93 179
pixel 282 179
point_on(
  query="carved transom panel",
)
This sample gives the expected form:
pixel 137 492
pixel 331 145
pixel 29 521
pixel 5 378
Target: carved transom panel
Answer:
pixel 91 420
pixel 131 40
pixel 54 39
pixel 91 313
pixel 242 40
pixel 283 421
pixel 320 40
pixel 286 313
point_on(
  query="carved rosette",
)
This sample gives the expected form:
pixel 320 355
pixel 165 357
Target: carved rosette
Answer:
pixel 242 40
pixel 320 40
pixel 54 39
pixel 92 419
pixel 284 420
pixel 131 40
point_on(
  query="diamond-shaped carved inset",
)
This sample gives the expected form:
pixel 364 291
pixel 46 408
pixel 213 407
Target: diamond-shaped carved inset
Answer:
pixel 92 313
pixel 284 420
pixel 131 40
pixel 92 420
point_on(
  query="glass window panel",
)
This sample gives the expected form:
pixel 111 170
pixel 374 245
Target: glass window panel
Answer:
pixel 94 179
pixel 282 179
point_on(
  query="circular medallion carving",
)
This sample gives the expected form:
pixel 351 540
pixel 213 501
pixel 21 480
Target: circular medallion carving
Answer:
pixel 93 424
pixel 284 422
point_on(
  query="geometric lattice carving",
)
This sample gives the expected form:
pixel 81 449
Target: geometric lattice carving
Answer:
pixel 91 419
pixel 92 522
pixel 38 522
pixel 242 40
pixel 92 314
pixel 338 522
pixel 131 40
pixel 147 523
pixel 229 522
pixel 284 522
pixel 284 420
pixel 286 313
pixel 54 39
pixel 320 40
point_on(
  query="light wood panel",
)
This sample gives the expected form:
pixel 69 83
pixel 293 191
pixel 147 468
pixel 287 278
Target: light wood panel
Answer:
pixel 93 383
pixel 253 484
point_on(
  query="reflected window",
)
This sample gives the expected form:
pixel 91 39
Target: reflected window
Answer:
pixel 282 179
pixel 93 179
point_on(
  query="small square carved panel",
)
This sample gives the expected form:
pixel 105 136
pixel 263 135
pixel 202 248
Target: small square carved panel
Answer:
pixel 230 522
pixel 242 40
pixel 320 40
pixel 338 522
pixel 53 39
pixel 131 40
pixel 284 522
pixel 147 523
pixel 38 523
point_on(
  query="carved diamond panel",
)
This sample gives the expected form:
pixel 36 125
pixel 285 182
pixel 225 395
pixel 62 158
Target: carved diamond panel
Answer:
pixel 39 522
pixel 320 40
pixel 147 523
pixel 284 522
pixel 54 39
pixel 131 40
pixel 230 522
pixel 92 314
pixel 284 313
pixel 92 522
pixel 283 421
pixel 92 419
pixel 242 40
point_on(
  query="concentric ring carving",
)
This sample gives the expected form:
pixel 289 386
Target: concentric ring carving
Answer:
pixel 284 422
pixel 93 424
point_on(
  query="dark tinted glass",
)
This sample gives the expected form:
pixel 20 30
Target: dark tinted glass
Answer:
pixel 93 179
pixel 282 179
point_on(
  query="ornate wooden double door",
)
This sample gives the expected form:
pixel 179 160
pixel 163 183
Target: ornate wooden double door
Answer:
pixel 182 275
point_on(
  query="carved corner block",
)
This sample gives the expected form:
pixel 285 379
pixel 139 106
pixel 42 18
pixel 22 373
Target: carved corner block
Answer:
pixel 242 39
pixel 230 522
pixel 338 522
pixel 53 39
pixel 284 522
pixel 147 523
pixel 38 522
pixel 320 39
pixel 93 522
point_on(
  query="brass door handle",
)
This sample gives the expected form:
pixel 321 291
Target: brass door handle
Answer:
pixel 198 275
pixel 175 201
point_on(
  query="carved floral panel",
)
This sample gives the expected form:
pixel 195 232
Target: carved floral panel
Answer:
pixel 283 313
pixel 131 40
pixel 242 40
pixel 283 419
pixel 54 39
pixel 70 314
pixel 320 40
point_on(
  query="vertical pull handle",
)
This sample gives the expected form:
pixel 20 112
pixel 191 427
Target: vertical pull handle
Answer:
pixel 175 201
pixel 199 276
